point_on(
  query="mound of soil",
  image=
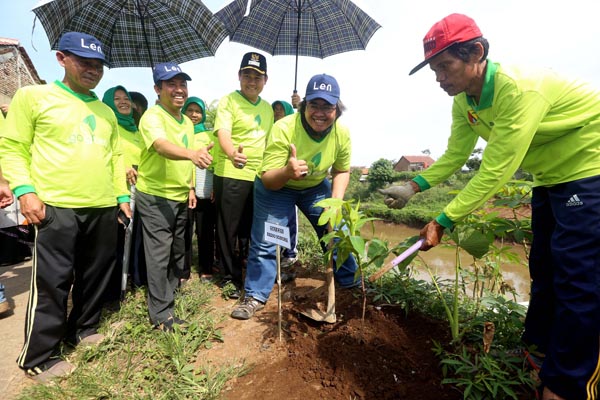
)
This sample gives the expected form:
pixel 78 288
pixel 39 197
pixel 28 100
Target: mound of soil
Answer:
pixel 386 356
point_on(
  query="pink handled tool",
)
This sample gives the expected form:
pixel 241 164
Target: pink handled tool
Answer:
pixel 405 254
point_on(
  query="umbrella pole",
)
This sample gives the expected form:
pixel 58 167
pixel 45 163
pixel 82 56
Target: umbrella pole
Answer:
pixel 144 30
pixel 299 3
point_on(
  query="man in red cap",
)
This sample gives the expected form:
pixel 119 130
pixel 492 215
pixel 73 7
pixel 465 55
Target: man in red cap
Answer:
pixel 549 126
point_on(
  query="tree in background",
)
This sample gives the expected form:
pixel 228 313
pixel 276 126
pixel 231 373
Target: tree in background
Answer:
pixel 211 111
pixel 474 161
pixel 380 174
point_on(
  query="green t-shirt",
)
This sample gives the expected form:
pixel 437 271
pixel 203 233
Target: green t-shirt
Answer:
pixel 249 124
pixel 158 175
pixel 64 146
pixel 132 145
pixel 334 150
pixel 534 119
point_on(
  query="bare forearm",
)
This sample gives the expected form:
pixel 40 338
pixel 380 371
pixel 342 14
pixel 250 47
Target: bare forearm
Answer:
pixel 275 179
pixel 340 182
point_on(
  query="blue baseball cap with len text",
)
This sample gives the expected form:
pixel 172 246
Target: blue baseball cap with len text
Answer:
pixel 82 45
pixel 323 87
pixel 166 71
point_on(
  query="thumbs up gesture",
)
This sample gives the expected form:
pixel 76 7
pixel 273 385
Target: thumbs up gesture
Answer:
pixel 297 169
pixel 202 158
pixel 238 158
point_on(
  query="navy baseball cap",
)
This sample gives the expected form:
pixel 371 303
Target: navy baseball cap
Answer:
pixel 255 61
pixel 323 87
pixel 166 71
pixel 82 45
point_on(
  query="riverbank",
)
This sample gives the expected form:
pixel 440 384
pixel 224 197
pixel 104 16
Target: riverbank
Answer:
pixel 442 259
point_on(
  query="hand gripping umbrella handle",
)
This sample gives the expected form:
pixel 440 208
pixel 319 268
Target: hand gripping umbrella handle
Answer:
pixel 405 254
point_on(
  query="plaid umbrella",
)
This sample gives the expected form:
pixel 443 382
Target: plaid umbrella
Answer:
pixel 314 28
pixel 137 33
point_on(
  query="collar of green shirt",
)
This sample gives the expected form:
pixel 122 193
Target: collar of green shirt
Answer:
pixel 487 91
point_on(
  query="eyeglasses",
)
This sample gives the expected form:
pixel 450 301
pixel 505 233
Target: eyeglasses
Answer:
pixel 326 108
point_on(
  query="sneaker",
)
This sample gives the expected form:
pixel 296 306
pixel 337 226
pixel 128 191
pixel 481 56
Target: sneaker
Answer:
pixel 287 262
pixel 168 325
pixel 58 370
pixel 247 308
pixel 92 339
pixel 4 307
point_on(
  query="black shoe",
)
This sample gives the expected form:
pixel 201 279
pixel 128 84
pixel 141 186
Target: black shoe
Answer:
pixel 224 282
pixel 230 289
pixel 287 276
pixel 168 325
pixel 247 308
pixel 235 294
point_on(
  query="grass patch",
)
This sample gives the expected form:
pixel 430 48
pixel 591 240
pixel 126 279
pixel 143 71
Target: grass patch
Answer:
pixel 138 362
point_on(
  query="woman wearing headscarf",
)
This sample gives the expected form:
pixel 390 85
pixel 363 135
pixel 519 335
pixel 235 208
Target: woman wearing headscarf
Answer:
pixel 119 100
pixel 204 213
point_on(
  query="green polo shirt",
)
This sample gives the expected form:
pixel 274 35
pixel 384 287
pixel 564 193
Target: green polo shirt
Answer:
pixel 249 124
pixel 157 175
pixel 334 150
pixel 64 146
pixel 534 119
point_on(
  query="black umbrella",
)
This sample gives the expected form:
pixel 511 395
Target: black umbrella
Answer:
pixel 137 33
pixel 314 28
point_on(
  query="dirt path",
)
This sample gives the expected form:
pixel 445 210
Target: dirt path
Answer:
pixel 386 356
pixel 16 278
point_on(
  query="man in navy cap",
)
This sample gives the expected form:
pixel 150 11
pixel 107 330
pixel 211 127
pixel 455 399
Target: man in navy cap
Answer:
pixel 165 189
pixel 61 155
pixel 242 122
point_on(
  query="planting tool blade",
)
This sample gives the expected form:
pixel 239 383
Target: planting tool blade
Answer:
pixel 329 315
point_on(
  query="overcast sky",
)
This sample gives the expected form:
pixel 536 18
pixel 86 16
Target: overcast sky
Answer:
pixel 389 113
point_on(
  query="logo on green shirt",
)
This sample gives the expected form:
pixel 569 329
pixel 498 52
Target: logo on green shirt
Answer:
pixel 85 132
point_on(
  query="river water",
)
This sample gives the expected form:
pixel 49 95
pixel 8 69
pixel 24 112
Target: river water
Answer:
pixel 441 259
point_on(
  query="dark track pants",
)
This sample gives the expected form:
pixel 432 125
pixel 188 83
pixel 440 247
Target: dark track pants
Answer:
pixel 74 250
pixel 234 202
pixel 563 319
pixel 163 224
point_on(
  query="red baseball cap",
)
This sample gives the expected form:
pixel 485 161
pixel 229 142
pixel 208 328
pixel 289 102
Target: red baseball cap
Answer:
pixel 455 28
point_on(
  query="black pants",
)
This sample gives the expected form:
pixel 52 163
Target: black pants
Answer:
pixel 204 217
pixel 13 248
pixel 74 251
pixel 163 223
pixel 234 203
pixel 137 263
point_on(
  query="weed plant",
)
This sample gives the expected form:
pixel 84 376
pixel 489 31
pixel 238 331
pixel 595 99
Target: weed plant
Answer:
pixel 136 361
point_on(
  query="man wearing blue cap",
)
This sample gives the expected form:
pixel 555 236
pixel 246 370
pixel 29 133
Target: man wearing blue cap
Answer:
pixel 165 189
pixel 61 154
pixel 299 153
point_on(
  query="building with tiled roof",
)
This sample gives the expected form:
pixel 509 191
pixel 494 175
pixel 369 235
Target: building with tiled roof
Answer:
pixel 413 163
pixel 16 69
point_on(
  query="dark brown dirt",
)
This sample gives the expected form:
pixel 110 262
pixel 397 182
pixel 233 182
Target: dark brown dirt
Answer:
pixel 388 356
